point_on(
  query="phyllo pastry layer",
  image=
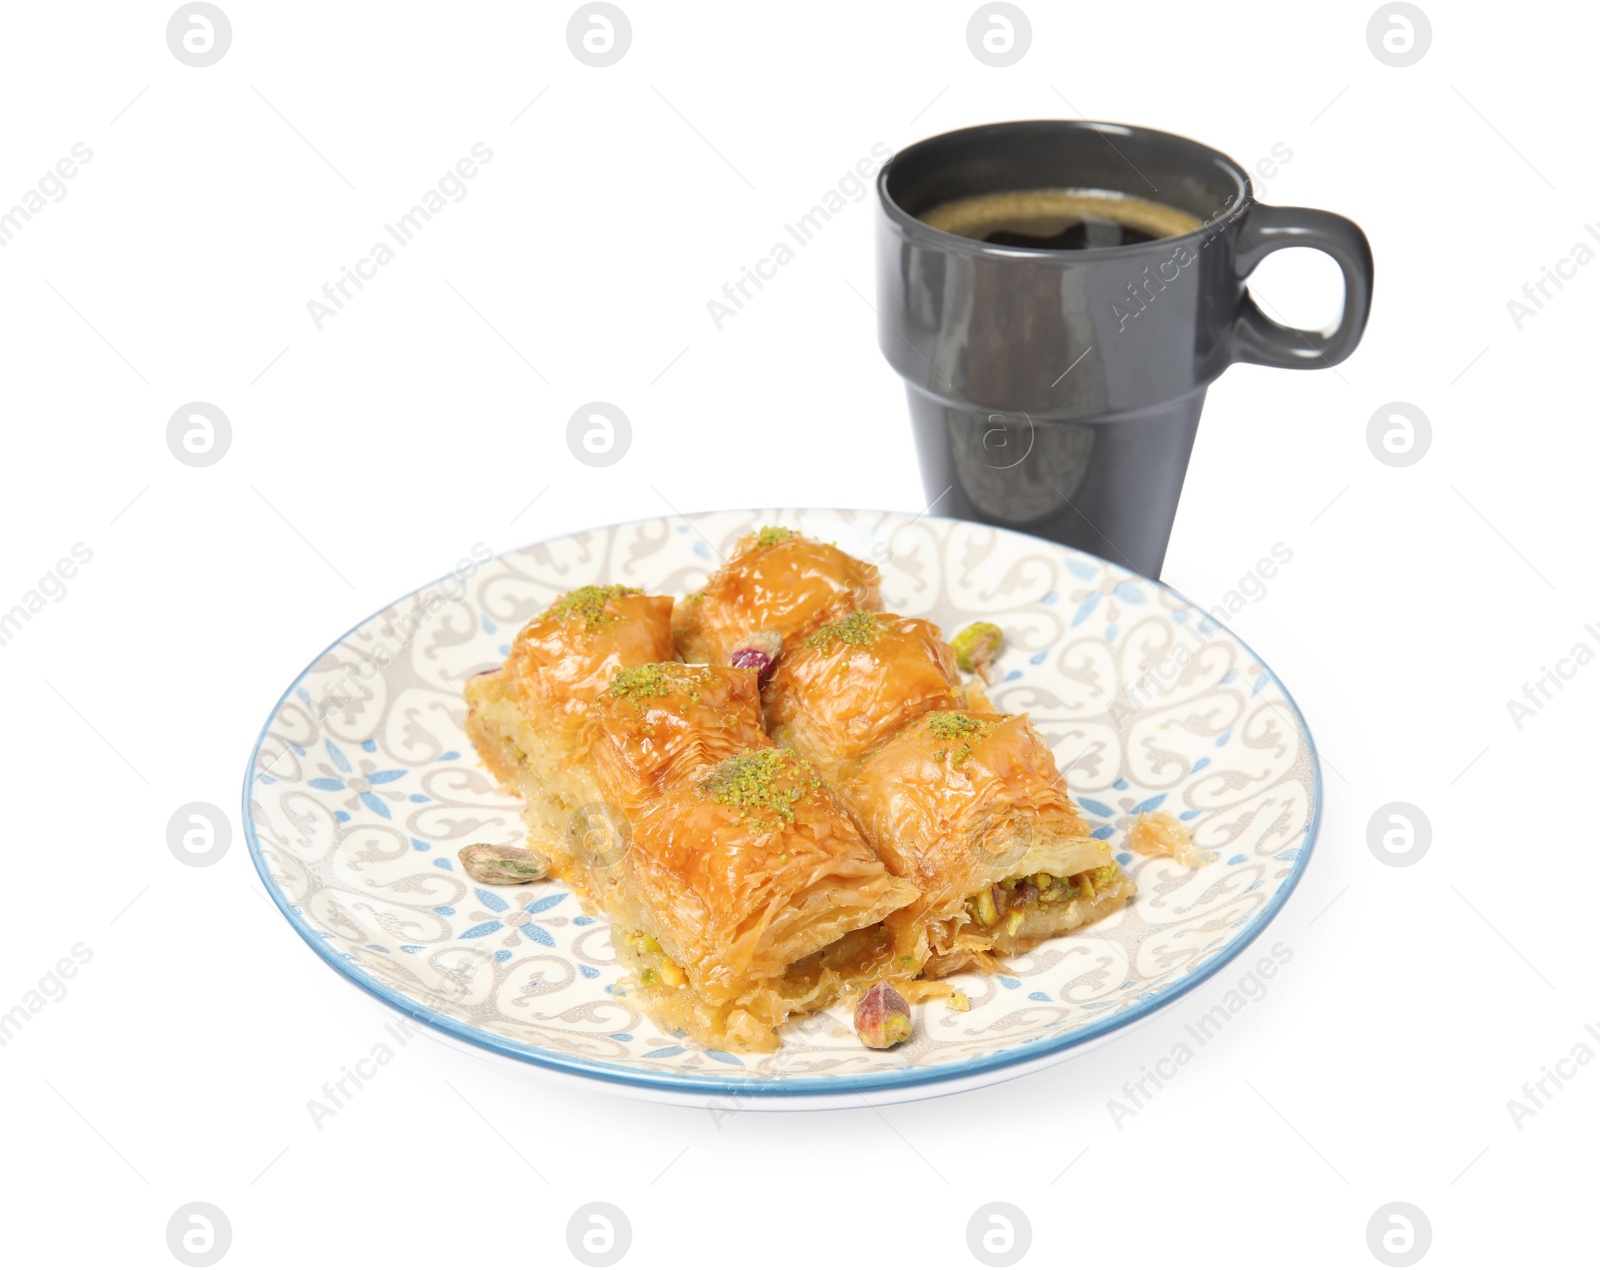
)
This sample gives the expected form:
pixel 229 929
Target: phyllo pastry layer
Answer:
pixel 564 658
pixel 777 580
pixel 748 895
pixel 659 724
pixel 972 807
pixel 856 682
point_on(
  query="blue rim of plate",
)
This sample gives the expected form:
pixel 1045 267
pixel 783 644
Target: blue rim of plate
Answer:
pixel 795 1087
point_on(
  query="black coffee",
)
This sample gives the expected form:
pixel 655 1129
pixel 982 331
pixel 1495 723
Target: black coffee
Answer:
pixel 1060 220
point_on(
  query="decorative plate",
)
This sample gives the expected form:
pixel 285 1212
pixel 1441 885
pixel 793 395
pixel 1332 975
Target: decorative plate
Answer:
pixel 363 786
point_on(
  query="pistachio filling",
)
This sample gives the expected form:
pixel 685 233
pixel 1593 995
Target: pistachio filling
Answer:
pixel 1010 901
pixel 654 964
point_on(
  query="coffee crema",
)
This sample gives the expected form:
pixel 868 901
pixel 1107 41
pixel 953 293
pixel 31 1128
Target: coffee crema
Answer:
pixel 1060 220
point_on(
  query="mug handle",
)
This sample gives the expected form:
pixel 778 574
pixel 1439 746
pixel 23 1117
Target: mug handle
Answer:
pixel 1257 338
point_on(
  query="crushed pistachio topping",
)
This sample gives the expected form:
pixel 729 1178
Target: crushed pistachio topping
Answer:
pixel 657 679
pixel 953 725
pixel 950 725
pixel 761 784
pixel 856 630
pixel 772 535
pixel 589 604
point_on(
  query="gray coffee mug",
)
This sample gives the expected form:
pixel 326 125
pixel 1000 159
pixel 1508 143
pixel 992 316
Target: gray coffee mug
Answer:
pixel 1058 391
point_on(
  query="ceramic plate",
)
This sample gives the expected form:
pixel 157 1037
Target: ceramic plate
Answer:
pixel 363 786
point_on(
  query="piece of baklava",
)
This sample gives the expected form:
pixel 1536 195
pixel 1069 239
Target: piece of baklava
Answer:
pixel 525 718
pixel 856 682
pixel 747 896
pixel 972 807
pixel 659 724
pixel 777 581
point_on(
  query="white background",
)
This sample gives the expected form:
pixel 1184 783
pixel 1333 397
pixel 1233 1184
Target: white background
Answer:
pixel 369 455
